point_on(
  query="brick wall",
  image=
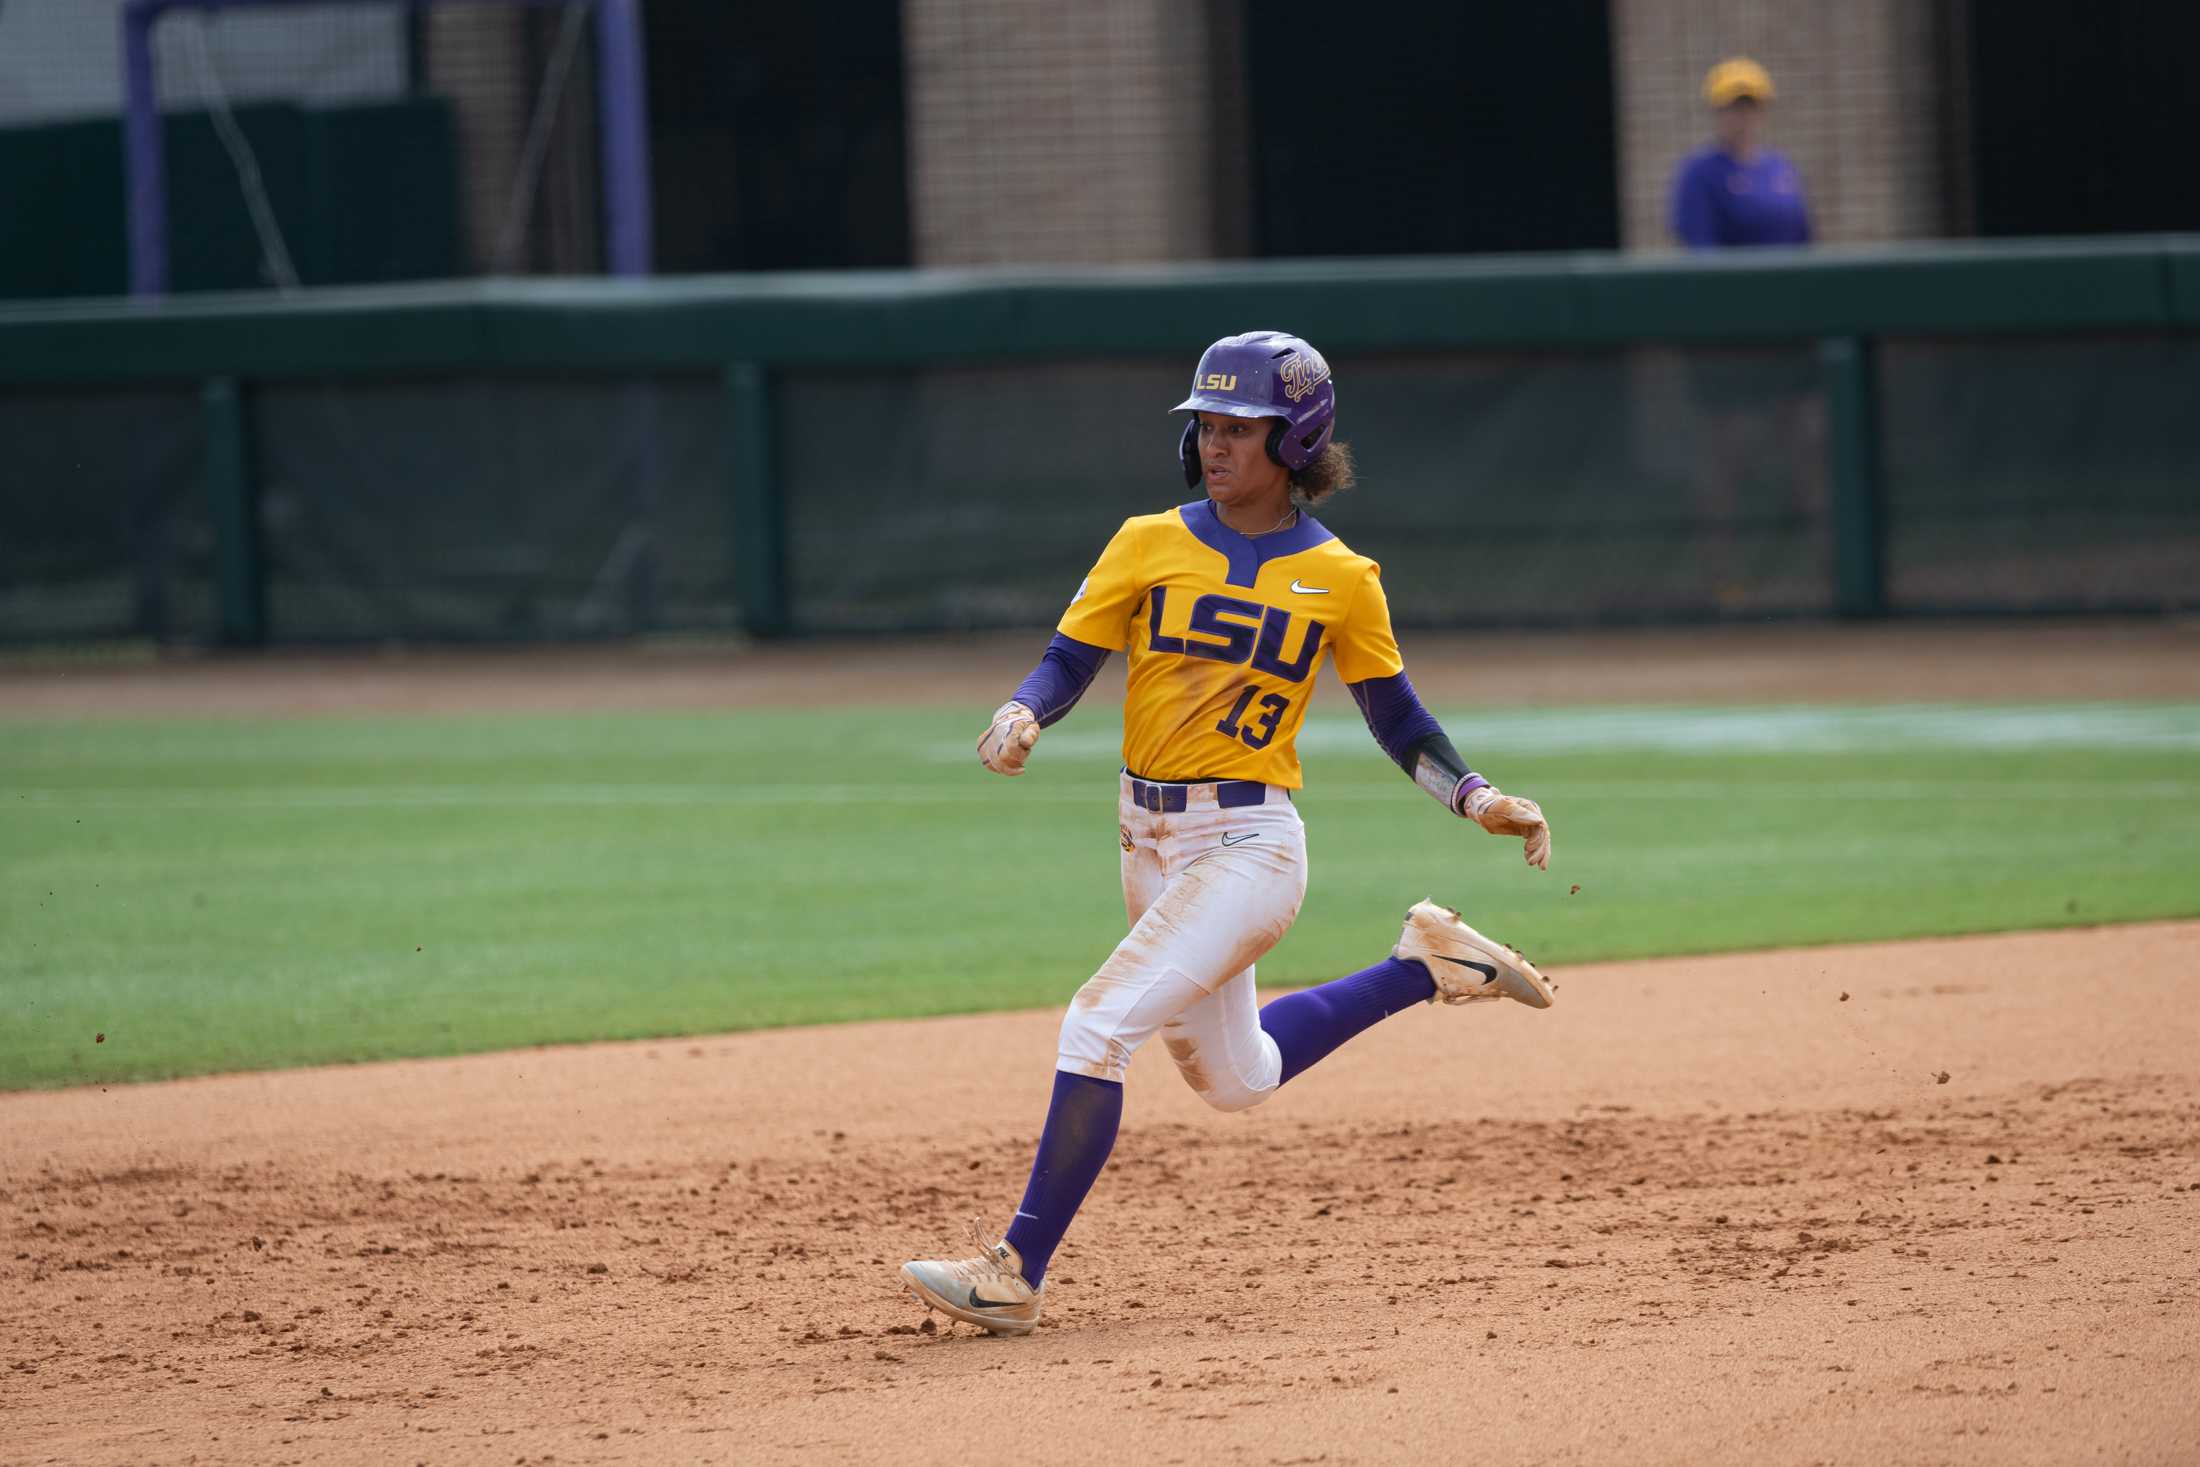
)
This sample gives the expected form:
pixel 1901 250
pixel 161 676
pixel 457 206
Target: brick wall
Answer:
pixel 478 61
pixel 1046 134
pixel 1050 134
pixel 1859 107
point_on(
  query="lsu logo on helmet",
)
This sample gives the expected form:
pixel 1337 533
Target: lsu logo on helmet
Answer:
pixel 1302 372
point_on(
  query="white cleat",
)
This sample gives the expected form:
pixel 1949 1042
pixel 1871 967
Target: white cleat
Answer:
pixel 988 1291
pixel 1467 966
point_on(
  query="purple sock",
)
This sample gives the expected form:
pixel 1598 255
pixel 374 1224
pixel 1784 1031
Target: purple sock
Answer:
pixel 1307 1025
pixel 1079 1134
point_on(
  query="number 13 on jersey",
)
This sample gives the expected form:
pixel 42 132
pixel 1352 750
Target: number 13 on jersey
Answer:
pixel 1262 727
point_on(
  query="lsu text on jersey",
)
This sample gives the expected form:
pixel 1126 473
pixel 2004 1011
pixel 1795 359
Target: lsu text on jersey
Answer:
pixel 1225 633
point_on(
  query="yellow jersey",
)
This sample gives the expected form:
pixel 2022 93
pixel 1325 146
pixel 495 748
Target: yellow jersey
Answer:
pixel 1225 633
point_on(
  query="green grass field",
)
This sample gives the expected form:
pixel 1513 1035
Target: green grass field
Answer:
pixel 215 895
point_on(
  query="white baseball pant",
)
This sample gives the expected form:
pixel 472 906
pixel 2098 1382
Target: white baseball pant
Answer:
pixel 1208 891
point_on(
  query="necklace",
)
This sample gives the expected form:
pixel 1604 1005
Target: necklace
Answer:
pixel 1290 513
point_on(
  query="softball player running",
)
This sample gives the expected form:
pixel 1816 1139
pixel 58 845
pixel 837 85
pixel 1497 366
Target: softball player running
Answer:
pixel 1226 606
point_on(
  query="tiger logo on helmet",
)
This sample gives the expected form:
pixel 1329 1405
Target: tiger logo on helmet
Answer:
pixel 1302 373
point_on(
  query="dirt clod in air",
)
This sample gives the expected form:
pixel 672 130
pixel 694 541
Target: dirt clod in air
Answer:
pixel 1844 995
pixel 1940 1078
pixel 1574 890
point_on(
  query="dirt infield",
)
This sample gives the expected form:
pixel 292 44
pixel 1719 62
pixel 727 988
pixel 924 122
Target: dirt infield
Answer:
pixel 1928 1203
pixel 1925 1203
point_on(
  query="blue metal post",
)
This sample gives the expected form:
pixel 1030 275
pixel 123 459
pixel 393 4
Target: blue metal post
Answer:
pixel 623 110
pixel 144 165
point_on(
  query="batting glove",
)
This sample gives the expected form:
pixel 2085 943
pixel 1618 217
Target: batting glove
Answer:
pixel 1503 814
pixel 1005 745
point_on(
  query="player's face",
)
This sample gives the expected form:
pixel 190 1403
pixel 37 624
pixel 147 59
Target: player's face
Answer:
pixel 1233 456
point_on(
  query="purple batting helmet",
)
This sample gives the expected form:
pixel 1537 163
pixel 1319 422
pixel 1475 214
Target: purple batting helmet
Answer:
pixel 1263 374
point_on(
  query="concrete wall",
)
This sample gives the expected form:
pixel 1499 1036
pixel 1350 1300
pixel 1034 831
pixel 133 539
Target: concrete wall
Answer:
pixel 1859 108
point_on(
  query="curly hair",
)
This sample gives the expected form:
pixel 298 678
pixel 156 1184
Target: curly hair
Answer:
pixel 1329 473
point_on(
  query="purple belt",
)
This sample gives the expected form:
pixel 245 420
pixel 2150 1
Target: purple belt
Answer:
pixel 1168 799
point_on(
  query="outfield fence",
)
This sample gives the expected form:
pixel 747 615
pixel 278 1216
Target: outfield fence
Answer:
pixel 1543 442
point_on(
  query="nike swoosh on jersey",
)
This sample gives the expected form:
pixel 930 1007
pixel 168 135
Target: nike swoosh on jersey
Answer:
pixel 1241 840
pixel 1305 590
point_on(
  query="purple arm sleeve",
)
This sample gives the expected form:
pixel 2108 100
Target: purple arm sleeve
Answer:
pixel 1409 733
pixel 1065 670
pixel 1395 716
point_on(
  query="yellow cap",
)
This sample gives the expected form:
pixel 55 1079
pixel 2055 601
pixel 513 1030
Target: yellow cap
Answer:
pixel 1735 78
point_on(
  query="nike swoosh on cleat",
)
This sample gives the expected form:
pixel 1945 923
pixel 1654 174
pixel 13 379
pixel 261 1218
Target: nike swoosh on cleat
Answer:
pixel 1305 590
pixel 1488 971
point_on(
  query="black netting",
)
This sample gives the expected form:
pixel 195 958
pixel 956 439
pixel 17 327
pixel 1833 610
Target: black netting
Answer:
pixel 965 497
pixel 1528 489
pixel 1614 486
pixel 104 526
pixel 1547 488
pixel 507 508
pixel 2052 473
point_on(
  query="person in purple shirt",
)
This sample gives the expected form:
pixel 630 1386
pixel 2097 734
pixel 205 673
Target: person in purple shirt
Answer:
pixel 1735 191
pixel 1759 480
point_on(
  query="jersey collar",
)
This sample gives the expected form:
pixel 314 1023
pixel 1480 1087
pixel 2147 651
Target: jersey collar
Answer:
pixel 1246 554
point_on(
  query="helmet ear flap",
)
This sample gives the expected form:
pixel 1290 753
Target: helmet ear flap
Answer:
pixel 1275 441
pixel 1311 446
pixel 1187 453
